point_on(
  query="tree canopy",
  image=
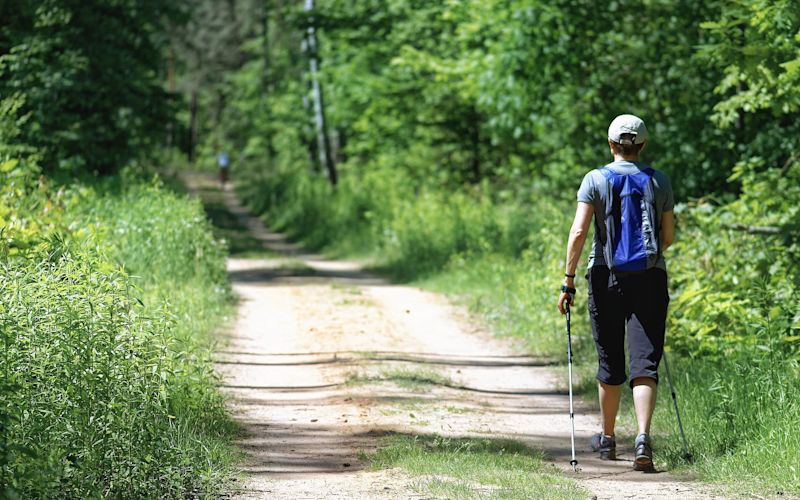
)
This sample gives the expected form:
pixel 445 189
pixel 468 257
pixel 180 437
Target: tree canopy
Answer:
pixel 88 79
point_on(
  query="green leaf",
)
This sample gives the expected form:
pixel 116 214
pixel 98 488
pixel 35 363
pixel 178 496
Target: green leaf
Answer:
pixel 8 165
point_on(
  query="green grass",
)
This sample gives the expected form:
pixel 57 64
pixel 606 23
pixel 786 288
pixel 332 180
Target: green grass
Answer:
pixel 742 422
pixel 406 405
pixel 407 378
pixel 414 378
pixel 474 468
pixel 108 386
pixel 457 410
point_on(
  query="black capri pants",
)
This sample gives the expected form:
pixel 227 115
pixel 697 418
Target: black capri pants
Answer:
pixel 638 301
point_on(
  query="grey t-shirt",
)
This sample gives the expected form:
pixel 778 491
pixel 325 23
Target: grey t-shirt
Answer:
pixel 595 189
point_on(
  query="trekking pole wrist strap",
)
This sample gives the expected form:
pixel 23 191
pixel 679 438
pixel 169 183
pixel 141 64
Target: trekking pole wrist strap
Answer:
pixel 568 289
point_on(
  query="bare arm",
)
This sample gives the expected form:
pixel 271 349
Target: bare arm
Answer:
pixel 667 229
pixel 577 238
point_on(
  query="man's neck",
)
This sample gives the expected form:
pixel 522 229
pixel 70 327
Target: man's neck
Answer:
pixel 626 158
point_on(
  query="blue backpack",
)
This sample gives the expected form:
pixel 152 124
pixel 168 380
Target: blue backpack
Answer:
pixel 632 240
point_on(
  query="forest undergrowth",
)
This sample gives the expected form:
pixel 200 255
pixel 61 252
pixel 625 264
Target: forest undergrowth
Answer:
pixel 110 291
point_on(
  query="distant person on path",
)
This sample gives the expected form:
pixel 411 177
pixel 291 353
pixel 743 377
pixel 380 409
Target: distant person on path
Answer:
pixel 224 163
pixel 632 205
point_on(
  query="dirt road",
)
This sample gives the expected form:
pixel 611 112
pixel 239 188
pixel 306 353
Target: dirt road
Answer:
pixel 325 359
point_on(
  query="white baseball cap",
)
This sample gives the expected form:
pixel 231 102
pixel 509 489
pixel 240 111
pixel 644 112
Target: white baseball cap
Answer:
pixel 627 124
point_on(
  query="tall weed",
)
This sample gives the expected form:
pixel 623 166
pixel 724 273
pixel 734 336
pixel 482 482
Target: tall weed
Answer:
pixel 108 387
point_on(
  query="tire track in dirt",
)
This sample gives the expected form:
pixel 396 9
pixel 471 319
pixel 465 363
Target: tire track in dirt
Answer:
pixel 308 327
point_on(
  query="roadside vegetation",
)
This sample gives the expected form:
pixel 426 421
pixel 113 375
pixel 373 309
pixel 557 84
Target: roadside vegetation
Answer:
pixel 106 312
pixel 459 132
pixel 110 283
pixel 474 468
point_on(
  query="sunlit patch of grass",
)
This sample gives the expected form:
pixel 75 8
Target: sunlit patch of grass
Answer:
pixel 458 409
pixel 474 468
pixel 406 378
pixel 414 378
pixel 405 405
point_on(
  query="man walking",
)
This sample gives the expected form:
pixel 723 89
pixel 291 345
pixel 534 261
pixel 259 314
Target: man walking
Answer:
pixel 632 205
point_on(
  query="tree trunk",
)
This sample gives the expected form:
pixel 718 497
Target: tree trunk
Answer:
pixel 265 77
pixel 310 136
pixel 475 146
pixel 319 101
pixel 192 125
pixel 171 92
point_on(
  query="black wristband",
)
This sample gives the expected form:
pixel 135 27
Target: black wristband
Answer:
pixel 569 275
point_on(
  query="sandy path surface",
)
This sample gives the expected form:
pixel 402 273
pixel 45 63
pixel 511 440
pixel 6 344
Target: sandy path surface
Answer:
pixel 308 327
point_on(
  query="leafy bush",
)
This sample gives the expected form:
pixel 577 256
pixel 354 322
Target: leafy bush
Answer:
pixel 87 78
pixel 736 265
pixel 108 387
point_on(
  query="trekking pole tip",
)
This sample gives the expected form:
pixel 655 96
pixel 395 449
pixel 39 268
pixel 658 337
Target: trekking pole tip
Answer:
pixel 574 464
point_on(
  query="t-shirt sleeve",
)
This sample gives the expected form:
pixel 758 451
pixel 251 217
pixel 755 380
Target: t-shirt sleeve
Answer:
pixel 587 193
pixel 669 197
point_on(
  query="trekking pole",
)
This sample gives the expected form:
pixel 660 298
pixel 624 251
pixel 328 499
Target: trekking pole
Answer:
pixel 686 455
pixel 573 462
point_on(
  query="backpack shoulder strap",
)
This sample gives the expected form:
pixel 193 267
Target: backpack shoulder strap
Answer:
pixel 651 192
pixel 610 199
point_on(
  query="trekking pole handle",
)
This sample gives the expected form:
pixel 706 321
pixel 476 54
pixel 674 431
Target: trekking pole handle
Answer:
pixel 570 294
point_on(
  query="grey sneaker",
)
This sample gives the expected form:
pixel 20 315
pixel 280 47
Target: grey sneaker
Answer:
pixel 607 446
pixel 644 453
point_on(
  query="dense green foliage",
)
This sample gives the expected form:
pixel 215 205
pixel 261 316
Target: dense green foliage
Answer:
pixel 107 386
pixel 86 76
pixel 109 291
pixel 462 129
pixel 109 288
pixel 462 91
